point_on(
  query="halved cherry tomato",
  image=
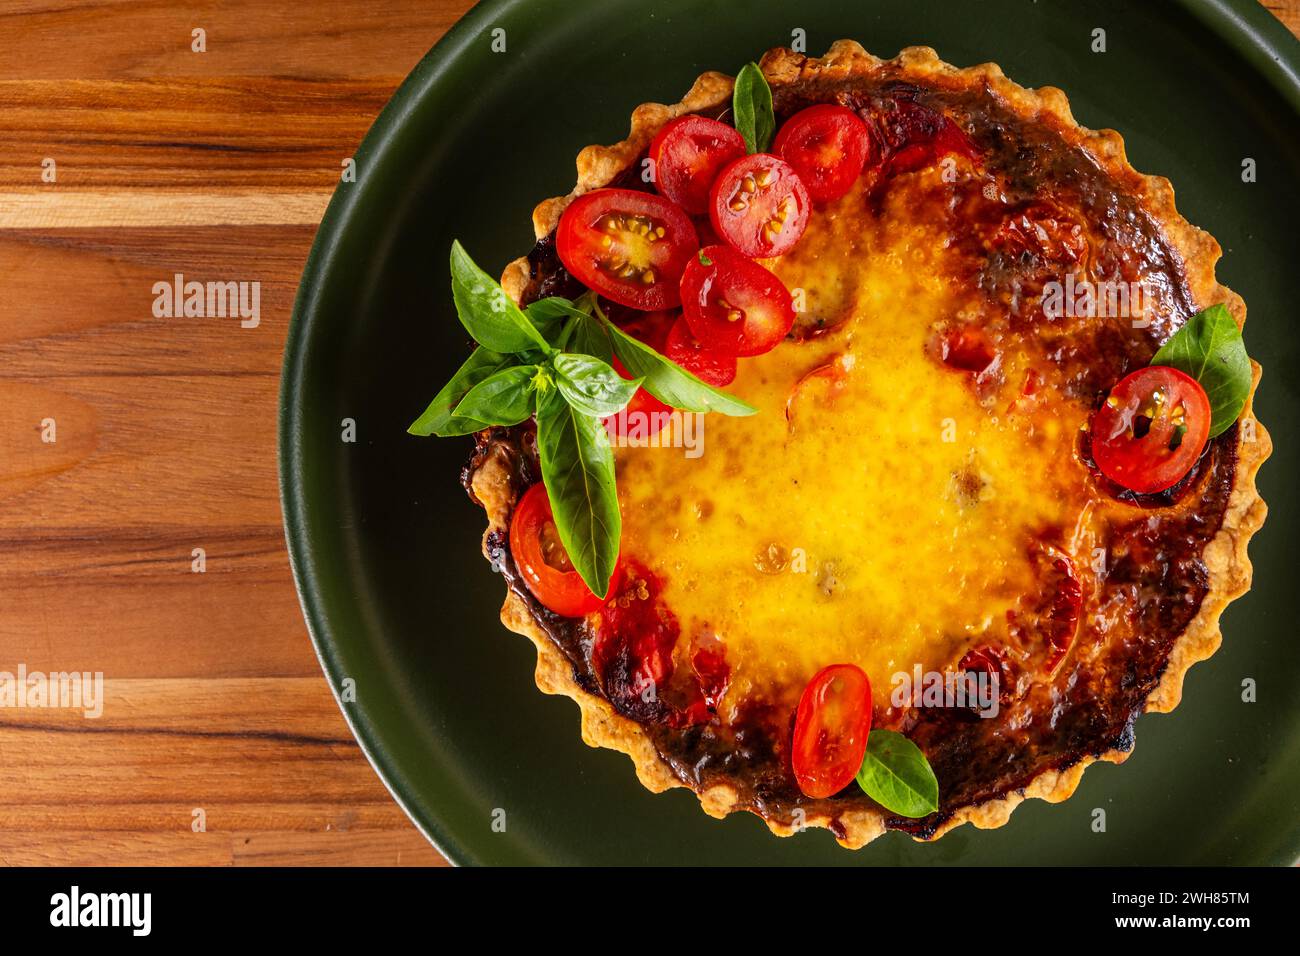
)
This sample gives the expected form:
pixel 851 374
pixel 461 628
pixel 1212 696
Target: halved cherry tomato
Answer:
pixel 644 415
pixel 633 644
pixel 1151 429
pixel 827 146
pixel 965 348
pixel 759 205
pixel 1041 230
pixel 708 365
pixel 991 660
pixel 688 153
pixel 1049 620
pixel 914 135
pixel 629 246
pixel 992 663
pixel 733 304
pixel 652 328
pixel 712 673
pixel 542 561
pixel 831 726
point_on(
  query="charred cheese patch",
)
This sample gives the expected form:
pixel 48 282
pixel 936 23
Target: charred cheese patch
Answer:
pixel 876 510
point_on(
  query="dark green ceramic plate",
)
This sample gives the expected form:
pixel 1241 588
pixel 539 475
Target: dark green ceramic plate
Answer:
pixel 385 545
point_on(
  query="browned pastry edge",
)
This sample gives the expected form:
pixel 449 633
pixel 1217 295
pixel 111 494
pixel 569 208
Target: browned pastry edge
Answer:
pixel 1225 556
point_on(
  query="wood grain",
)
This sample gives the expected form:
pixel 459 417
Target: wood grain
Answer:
pixel 216 165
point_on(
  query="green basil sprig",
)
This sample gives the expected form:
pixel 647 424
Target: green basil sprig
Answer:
pixel 503 398
pixel 586 334
pixel 1210 349
pixel 668 381
pixel 578 469
pixel 552 360
pixel 590 385
pixel 439 418
pixel 751 106
pixel 897 776
pixel 551 316
pixel 489 315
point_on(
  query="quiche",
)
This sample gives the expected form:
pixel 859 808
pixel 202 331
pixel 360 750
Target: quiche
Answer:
pixel 984 492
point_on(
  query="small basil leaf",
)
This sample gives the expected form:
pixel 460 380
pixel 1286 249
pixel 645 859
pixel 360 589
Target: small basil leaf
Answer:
pixel 897 776
pixel 590 385
pixel 669 382
pixel 578 469
pixel 751 104
pixel 1210 349
pixel 504 398
pixel 486 311
pixel 586 334
pixel 551 316
pixel 438 418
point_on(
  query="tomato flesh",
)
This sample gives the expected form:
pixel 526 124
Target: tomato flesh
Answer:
pixel 1151 429
pixel 733 305
pixel 1049 621
pixel 542 561
pixel 633 646
pixel 759 206
pixel 708 365
pixel 914 136
pixel 827 146
pixel 963 347
pixel 712 674
pixel 688 154
pixel 1042 231
pixel 629 246
pixel 831 726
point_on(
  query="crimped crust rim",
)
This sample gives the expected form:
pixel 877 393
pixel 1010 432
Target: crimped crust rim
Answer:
pixel 1225 556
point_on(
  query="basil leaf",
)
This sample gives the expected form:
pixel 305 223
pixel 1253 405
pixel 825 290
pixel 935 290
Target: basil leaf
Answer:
pixel 751 104
pixel 586 334
pixel 551 316
pixel 486 311
pixel 438 418
pixel 1210 349
pixel 897 776
pixel 578 469
pixel 503 398
pixel 668 381
pixel 590 385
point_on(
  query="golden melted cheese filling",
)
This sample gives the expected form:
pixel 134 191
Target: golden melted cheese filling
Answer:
pixel 875 510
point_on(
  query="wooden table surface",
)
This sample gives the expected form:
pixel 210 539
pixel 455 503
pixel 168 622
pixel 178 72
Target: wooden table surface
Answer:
pixel 219 741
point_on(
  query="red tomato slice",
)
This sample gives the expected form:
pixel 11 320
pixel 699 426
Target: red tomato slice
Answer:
pixel 963 347
pixel 633 645
pixel 1042 230
pixel 827 146
pixel 1060 613
pixel 991 660
pixel 542 561
pixel 649 327
pixel 1151 429
pixel 688 154
pixel 630 247
pixel 708 365
pixel 831 726
pixel 733 304
pixel 914 135
pixel 759 205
